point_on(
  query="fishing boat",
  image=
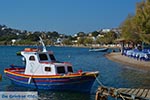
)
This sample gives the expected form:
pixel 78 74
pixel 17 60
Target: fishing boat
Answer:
pixel 43 71
pixel 98 49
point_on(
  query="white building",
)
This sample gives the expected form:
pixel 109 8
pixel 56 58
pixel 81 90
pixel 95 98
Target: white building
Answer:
pixel 106 30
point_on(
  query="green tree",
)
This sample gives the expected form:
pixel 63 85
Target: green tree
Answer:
pixel 53 34
pixel 108 38
pixel 33 37
pixel 137 28
pixel 81 34
pixel 67 42
pixel 95 33
pixel 129 30
pixel 88 41
pixel 80 41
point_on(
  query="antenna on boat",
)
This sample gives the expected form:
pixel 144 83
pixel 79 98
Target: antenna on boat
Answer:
pixel 41 41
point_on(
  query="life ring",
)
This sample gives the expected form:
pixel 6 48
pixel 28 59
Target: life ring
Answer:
pixel 30 50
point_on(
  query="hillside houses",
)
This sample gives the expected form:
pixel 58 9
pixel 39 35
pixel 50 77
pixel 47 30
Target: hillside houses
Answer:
pixel 97 37
pixel 9 36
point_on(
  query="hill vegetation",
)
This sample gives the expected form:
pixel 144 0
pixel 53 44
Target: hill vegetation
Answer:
pixel 9 36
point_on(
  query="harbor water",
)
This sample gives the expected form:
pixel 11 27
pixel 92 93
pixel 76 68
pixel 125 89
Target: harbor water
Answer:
pixel 112 74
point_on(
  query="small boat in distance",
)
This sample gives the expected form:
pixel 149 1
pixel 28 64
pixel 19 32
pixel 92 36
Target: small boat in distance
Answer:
pixel 98 49
pixel 43 71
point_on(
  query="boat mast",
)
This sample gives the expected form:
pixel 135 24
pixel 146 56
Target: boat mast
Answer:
pixel 41 41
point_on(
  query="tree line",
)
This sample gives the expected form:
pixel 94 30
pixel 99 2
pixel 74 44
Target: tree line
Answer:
pixel 24 37
pixel 50 38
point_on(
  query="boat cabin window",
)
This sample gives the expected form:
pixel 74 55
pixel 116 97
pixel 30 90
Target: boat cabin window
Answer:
pixel 61 70
pixel 32 58
pixel 52 57
pixel 69 68
pixel 47 69
pixel 43 57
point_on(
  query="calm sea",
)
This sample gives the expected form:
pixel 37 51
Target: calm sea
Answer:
pixel 112 74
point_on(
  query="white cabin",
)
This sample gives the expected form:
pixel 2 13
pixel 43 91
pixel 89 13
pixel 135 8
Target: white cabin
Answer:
pixel 43 63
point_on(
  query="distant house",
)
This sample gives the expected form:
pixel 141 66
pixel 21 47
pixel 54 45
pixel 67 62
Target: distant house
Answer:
pixel 75 35
pixel 17 34
pixel 116 30
pixel 75 41
pixel 13 41
pixel 105 30
pixel 3 28
pixel 58 41
pixel 100 35
pixel 90 34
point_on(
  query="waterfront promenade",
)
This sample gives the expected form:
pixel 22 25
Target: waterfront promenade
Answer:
pixel 117 57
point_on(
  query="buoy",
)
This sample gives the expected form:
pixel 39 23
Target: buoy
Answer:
pixel 0 77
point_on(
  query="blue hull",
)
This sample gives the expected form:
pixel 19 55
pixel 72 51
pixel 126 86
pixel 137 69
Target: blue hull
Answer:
pixel 77 83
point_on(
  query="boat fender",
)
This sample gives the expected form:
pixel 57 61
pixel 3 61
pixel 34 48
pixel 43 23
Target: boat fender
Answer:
pixel 23 59
pixel 29 80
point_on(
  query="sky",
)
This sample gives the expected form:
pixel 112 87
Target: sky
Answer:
pixel 65 16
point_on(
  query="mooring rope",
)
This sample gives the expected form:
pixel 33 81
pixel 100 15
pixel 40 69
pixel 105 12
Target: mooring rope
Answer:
pixel 99 82
pixel 122 97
